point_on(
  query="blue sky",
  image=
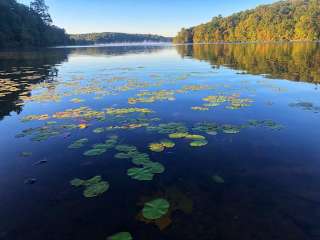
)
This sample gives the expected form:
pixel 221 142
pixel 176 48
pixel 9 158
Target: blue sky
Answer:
pixel 165 17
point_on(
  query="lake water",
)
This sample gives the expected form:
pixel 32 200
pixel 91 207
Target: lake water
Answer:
pixel 225 136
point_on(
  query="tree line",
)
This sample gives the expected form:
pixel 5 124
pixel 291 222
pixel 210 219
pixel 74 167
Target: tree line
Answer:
pixel 28 26
pixel 112 37
pixel 280 21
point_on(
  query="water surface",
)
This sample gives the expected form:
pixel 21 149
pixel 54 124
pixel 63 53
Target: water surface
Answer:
pixel 255 174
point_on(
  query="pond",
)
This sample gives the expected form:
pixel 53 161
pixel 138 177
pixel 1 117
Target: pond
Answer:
pixel 161 142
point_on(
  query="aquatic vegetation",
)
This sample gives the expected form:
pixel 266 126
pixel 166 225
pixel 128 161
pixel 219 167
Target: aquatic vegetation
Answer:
pixel 141 159
pixel 194 137
pixel 81 112
pixel 93 186
pixel 98 130
pixel 230 129
pixel 209 128
pixel 76 100
pixel 123 111
pixel 234 102
pixel 198 143
pixel 160 147
pixel 167 143
pixel 121 236
pixel 265 123
pixel 308 106
pixel 156 147
pixel 41 117
pixel 79 143
pixel 140 174
pixel 126 148
pixel 168 128
pixel 94 152
pixel 178 135
pixel 218 179
pixel 150 97
pixel 155 209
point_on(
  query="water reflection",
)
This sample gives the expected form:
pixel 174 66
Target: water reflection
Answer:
pixel 291 61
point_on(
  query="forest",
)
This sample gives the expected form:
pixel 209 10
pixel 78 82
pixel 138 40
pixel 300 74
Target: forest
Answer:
pixel 292 20
pixel 28 26
pixel 111 37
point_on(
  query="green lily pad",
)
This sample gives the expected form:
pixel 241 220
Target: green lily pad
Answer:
pixel 195 137
pixel 126 148
pixel 94 152
pixel 155 209
pixel 93 186
pixel 100 146
pixel 199 143
pixel 229 129
pixel 154 167
pixel 122 155
pixel 77 182
pixel 178 135
pixel 121 236
pixel 96 189
pixel 141 159
pixel 140 174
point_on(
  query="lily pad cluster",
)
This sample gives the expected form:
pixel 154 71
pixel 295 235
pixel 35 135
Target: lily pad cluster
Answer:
pixel 147 168
pixel 234 102
pixel 150 97
pixel 167 128
pixel 100 148
pixel 265 123
pixel 93 187
pixel 197 140
pixel 161 146
pixel 122 111
pixel 48 130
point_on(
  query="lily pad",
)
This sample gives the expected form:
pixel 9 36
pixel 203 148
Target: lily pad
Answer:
pixel 126 148
pixel 178 135
pixel 156 147
pixel 155 209
pixel 167 143
pixel 94 152
pixel 140 174
pixel 93 186
pixel 154 167
pixel 121 236
pixel 199 143
pixel 96 189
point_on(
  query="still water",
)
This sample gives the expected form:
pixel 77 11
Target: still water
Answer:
pixel 161 142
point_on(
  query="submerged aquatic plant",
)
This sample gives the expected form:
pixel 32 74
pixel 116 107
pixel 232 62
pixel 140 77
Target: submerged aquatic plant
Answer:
pixel 155 209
